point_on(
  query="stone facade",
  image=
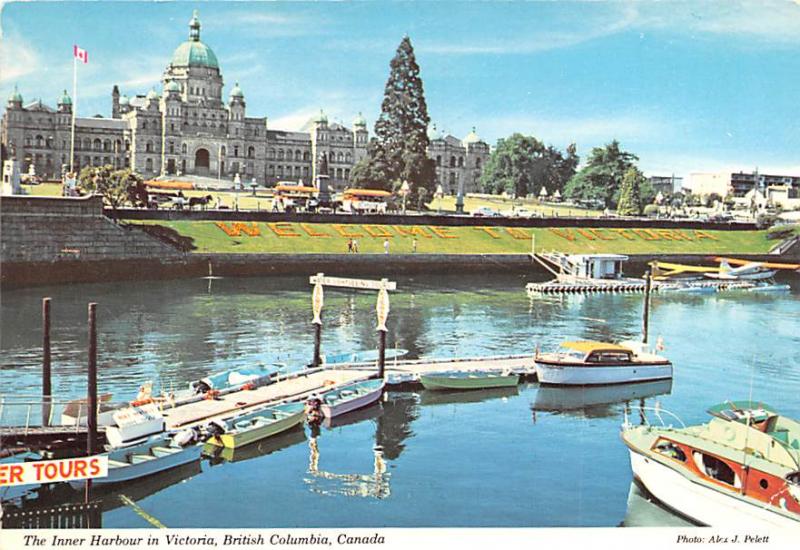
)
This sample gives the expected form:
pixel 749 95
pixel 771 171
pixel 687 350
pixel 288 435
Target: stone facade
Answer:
pixel 188 129
pixel 458 162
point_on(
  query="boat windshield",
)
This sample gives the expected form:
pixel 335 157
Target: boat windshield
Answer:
pixel 567 354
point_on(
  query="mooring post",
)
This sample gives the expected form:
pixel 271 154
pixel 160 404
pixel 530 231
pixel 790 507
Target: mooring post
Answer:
pixel 382 311
pixel 646 313
pixel 317 301
pixel 46 383
pixel 91 414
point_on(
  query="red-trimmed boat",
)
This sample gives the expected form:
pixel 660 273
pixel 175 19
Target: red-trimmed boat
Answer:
pixel 741 469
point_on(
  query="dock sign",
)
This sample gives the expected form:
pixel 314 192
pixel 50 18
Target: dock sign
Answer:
pixel 51 471
pixel 365 284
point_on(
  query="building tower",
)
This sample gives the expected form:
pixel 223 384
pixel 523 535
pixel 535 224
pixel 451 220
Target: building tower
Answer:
pixel 115 102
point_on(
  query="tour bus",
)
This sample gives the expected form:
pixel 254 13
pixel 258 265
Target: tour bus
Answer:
pixel 293 197
pixel 365 201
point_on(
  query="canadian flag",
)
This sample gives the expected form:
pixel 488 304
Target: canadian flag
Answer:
pixel 80 54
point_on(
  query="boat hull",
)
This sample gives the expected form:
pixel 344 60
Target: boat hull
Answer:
pixel 443 382
pixel 580 375
pixel 143 469
pixel 700 503
pixel 240 439
pixel 334 410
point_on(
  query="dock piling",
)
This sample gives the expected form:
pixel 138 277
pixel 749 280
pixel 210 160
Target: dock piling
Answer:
pixel 648 283
pixel 47 391
pixel 91 414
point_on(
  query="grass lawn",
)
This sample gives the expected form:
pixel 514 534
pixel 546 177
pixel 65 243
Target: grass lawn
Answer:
pixel 301 238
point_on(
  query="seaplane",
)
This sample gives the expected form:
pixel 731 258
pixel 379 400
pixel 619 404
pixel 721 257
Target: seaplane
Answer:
pixel 754 275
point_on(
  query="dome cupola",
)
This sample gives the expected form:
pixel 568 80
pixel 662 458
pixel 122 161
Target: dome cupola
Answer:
pixel 65 99
pixel 172 87
pixel 15 97
pixel 321 118
pixel 472 137
pixel 360 121
pixel 193 52
pixel 236 92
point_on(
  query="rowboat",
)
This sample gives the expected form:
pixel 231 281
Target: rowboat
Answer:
pixel 588 363
pixel 255 426
pixel 468 380
pixel 739 470
pixel 284 440
pixel 158 454
pixel 350 397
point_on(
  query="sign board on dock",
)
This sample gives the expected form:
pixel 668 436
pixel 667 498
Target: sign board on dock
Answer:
pixel 365 284
pixel 51 471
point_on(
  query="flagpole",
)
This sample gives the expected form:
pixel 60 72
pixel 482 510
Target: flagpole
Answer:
pixel 74 109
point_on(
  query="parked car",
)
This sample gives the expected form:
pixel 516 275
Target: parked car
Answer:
pixel 485 212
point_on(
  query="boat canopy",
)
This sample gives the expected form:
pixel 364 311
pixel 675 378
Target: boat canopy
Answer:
pixel 733 410
pixel 587 346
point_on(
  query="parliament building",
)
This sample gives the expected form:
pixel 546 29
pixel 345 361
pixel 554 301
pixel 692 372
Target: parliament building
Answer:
pixel 188 129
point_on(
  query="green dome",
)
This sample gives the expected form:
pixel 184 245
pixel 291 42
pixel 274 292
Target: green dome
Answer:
pixel 124 100
pixel 472 137
pixel 65 99
pixel 172 86
pixel 321 118
pixel 237 91
pixel 152 94
pixel 360 121
pixel 433 133
pixel 15 96
pixel 194 53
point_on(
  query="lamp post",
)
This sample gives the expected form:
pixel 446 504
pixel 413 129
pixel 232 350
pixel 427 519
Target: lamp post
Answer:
pixel 439 195
pixel 404 190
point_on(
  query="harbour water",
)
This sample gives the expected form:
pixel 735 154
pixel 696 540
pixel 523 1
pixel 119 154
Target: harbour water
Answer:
pixel 528 457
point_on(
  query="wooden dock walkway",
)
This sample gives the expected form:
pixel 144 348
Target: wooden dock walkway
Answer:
pixel 291 388
pixel 300 387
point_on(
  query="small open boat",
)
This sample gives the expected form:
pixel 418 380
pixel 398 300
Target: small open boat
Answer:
pixel 350 397
pixel 157 454
pixel 468 380
pixel 740 470
pixel 255 426
pixel 587 363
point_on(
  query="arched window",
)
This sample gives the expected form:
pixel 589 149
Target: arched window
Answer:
pixel 144 125
pixel 222 150
pixel 107 145
pixel 452 162
pixel 461 161
pixel 348 157
pixel 271 154
pixel 306 156
pixel 340 157
pixel 87 145
pixel 338 173
pixel 97 144
pixel 127 145
pixel 148 164
pixel 289 155
pixel 171 147
pixel 117 146
pixel 439 160
pixel 280 154
pixel 235 150
pixel 183 149
pixel 298 155
pixel 148 146
pixel 251 152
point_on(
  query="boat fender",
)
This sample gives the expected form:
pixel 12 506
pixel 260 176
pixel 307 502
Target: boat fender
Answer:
pixel 211 394
pixel 140 402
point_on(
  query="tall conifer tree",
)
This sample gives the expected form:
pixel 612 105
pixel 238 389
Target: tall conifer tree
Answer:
pixel 399 151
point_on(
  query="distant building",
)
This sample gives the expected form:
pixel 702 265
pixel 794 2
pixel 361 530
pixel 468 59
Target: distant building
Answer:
pixel 457 160
pixel 738 183
pixel 666 185
pixel 188 129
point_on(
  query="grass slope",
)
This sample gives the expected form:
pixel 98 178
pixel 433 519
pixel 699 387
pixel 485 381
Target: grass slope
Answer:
pixel 285 237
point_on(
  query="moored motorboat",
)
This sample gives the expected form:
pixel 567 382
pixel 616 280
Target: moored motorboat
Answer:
pixel 157 454
pixel 588 363
pixel 349 397
pixel 741 469
pixel 255 426
pixel 468 380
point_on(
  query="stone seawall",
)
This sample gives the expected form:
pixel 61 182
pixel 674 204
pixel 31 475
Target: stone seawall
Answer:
pixel 66 240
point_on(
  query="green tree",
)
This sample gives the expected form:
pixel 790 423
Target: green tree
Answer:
pixel 522 165
pixel 601 178
pixel 630 194
pixel 117 187
pixel 399 150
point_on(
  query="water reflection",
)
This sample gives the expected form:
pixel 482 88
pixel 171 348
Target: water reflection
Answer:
pixel 643 511
pixel 595 401
pixel 400 409
pixel 320 481
pixel 429 397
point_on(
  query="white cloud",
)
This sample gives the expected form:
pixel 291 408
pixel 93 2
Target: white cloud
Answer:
pixel 295 120
pixel 17 60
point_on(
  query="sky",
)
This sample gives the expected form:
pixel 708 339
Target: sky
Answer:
pixel 688 87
